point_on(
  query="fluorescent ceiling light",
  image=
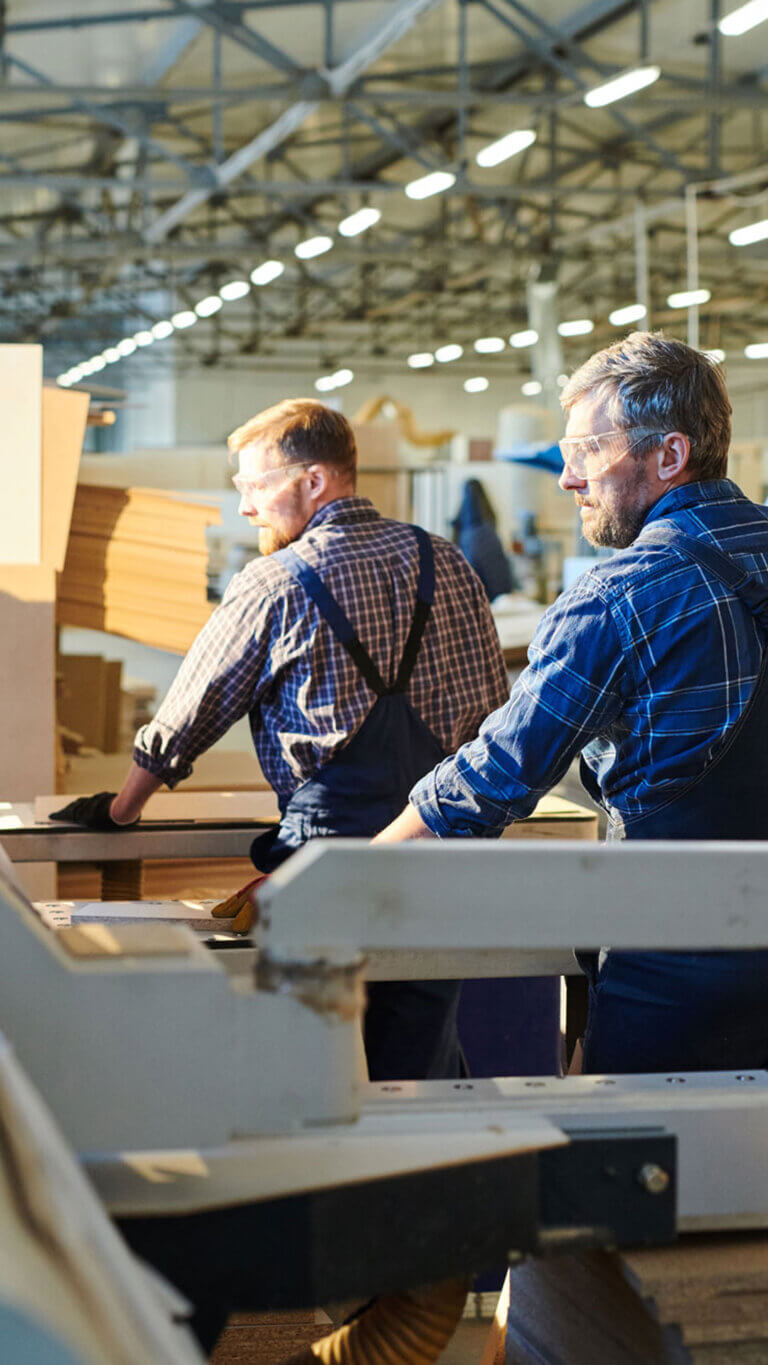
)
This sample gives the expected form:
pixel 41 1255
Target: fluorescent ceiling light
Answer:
pixel 208 306
pixel 757 351
pixel 632 313
pixel 267 272
pixel 64 380
pixel 620 86
pixel 314 246
pixel 531 388
pixel 337 380
pixel 527 338
pixel 434 183
pixel 753 232
pixel 688 298
pixel 143 338
pixel 111 355
pixel 744 18
pixel 421 360
pixel 126 347
pixel 477 385
pixel 505 147
pixel 359 222
pixel 446 353
pixel 579 327
pixel 161 330
pixel 487 345
pixel 96 363
pixel 236 289
pixel 716 355
pixel 184 319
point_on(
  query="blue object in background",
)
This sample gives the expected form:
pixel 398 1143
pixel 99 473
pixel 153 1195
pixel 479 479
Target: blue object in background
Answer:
pixel 474 531
pixel 535 457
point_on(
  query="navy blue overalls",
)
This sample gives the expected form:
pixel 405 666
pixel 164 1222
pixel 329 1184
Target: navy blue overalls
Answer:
pixel 693 1011
pixel 410 1027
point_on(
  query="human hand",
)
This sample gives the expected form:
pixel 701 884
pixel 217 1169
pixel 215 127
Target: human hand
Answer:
pixel 93 812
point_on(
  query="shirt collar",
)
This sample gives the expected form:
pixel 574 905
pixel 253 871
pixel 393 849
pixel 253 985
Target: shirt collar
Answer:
pixel 692 495
pixel 344 511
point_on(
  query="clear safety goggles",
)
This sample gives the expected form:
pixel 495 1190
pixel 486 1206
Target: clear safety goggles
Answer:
pixel 250 487
pixel 587 457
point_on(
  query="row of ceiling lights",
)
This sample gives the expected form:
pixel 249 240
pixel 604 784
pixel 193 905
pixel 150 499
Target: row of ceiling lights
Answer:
pixel 436 182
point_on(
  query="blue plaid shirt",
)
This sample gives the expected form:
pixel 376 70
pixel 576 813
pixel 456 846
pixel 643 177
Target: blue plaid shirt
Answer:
pixel 642 666
pixel 267 652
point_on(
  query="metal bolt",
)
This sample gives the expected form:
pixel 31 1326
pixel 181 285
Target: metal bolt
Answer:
pixel 653 1178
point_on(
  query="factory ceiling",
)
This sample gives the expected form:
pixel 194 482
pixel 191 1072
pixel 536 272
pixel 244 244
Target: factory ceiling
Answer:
pixel 155 152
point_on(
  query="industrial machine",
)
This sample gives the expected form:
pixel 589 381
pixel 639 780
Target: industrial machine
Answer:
pixel 215 1097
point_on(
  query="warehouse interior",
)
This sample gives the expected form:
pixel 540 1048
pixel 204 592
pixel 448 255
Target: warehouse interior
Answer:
pixel 427 216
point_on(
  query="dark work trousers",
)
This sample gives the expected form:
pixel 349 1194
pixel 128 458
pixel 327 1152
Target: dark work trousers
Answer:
pixel 693 1011
pixel 410 1027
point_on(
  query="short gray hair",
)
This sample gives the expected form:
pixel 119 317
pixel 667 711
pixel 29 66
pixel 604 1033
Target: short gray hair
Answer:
pixel 652 381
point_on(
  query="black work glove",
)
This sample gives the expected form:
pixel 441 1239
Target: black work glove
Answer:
pixel 91 811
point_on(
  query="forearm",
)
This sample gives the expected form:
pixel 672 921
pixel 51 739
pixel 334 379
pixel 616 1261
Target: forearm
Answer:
pixel 407 825
pixel 136 790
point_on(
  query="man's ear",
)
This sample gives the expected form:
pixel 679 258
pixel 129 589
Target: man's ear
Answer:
pixel 319 476
pixel 672 456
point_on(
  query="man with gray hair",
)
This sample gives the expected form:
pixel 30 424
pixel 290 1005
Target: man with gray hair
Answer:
pixel 653 668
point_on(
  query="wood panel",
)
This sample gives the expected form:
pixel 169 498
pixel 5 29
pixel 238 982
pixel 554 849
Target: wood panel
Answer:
pixel 21 387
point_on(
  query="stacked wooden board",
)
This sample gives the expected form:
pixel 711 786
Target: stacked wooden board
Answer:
pixel 136 565
pixel 703 1301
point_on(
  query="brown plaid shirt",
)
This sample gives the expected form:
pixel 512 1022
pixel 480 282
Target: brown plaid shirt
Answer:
pixel 267 652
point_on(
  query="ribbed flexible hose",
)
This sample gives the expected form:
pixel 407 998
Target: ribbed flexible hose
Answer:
pixel 398 1329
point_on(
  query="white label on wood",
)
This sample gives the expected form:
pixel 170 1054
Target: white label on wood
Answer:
pixel 21 388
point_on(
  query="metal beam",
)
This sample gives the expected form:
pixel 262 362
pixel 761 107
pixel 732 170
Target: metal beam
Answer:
pixel 338 79
pixel 110 119
pixel 218 19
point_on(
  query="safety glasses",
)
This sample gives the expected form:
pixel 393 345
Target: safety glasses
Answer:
pixel 252 487
pixel 587 457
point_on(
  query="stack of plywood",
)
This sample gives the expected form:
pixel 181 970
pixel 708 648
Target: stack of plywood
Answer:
pixel 703 1301
pixel 136 566
pixel 711 1291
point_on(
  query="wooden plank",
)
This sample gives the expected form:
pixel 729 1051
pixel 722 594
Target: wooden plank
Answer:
pixel 196 915
pixel 21 387
pixel 27 712
pixel 218 770
pixel 64 416
pixel 220 807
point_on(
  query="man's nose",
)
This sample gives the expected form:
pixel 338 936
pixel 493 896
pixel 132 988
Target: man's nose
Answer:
pixel 570 480
pixel 246 507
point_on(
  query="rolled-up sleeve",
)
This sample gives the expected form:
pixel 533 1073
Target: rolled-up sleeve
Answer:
pixel 571 691
pixel 218 683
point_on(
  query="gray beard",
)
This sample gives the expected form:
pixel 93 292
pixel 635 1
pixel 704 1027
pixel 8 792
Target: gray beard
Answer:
pixel 616 531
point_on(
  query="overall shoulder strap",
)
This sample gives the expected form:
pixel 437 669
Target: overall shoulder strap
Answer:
pixel 333 615
pixel 425 593
pixel 716 562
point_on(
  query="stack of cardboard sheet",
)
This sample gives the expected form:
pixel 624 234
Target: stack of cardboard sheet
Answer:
pixel 136 565
pixel 88 699
pixel 137 707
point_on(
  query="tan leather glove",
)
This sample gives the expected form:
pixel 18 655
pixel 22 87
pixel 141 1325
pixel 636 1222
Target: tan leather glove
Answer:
pixel 241 907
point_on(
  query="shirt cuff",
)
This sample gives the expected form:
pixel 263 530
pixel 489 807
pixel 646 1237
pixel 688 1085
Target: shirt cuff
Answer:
pixel 451 809
pixel 170 768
